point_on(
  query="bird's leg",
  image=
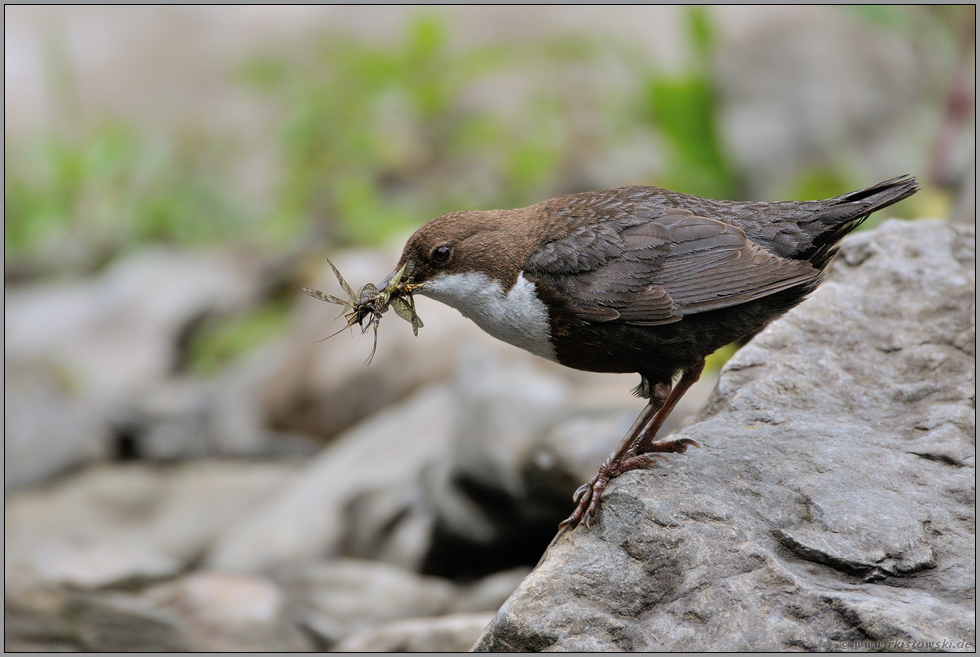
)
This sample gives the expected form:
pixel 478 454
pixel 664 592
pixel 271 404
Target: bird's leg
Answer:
pixel 644 445
pixel 638 449
pixel 587 494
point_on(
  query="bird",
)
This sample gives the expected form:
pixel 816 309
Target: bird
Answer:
pixel 638 279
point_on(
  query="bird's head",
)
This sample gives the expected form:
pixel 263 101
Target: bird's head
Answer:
pixel 494 243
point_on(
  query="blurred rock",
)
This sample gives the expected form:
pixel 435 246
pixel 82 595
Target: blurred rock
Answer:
pixel 171 420
pixel 488 593
pixel 81 564
pixel 239 421
pixel 377 492
pixel 124 623
pixel 126 525
pixel 500 407
pixel 36 621
pixel 834 499
pixel 323 387
pixel 454 633
pixel 224 415
pixel 570 452
pixel 526 435
pixel 360 497
pixel 19 645
pixel 47 426
pixel 804 89
pixel 122 330
pixel 77 354
pixel 337 598
pixel 202 612
pixel 221 612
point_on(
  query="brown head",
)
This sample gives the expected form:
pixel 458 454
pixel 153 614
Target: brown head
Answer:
pixel 495 242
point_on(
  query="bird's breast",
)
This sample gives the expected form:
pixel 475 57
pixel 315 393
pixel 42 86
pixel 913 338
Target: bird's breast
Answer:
pixel 516 316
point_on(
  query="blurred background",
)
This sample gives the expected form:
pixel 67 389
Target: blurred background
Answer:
pixel 186 466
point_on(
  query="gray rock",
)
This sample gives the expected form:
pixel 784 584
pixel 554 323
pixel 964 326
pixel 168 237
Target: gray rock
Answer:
pixel 223 415
pixel 499 407
pixel 222 612
pixel 360 497
pixel 170 420
pixel 202 612
pixel 126 525
pixel 121 561
pixel 833 500
pixel 379 491
pixel 571 450
pixel 77 355
pixel 124 623
pixel 337 598
pixel 35 619
pixel 488 593
pixel 453 633
pixel 322 387
pixel 122 330
pixel 47 425
pixel 525 437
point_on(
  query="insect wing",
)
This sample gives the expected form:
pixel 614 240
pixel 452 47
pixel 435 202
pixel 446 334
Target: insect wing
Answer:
pixel 405 308
pixel 323 296
pixel 416 320
pixel 402 309
pixel 347 288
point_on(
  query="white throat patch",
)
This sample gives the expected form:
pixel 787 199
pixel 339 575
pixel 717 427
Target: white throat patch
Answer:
pixel 518 317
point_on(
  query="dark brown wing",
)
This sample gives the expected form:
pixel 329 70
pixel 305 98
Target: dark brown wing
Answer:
pixel 655 270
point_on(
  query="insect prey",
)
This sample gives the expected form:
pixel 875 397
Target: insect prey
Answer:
pixel 366 307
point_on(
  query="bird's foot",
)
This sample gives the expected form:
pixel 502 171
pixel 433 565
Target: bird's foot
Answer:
pixel 587 495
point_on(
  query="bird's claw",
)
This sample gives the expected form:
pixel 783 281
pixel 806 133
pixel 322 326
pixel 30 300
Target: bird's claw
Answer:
pixel 580 491
pixel 685 443
pixel 586 497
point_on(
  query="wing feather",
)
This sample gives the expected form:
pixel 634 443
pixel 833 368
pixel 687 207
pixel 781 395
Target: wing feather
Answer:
pixel 654 270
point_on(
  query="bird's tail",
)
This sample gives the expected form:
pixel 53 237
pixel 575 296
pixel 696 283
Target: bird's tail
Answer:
pixel 847 212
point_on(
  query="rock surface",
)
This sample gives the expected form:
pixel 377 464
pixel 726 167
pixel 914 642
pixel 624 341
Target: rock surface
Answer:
pixel 834 499
pixel 453 633
pixel 333 599
pixel 323 387
pixel 459 480
pixel 223 612
pixel 370 475
pixel 78 354
pixel 525 436
pixel 127 525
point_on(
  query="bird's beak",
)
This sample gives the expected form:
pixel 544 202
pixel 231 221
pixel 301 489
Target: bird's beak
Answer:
pixel 383 284
pixel 405 270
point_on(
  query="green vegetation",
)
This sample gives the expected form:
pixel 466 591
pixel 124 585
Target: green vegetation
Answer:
pixel 221 340
pixel 683 108
pixel 375 138
pixel 717 360
pixel 111 189
pixel 378 138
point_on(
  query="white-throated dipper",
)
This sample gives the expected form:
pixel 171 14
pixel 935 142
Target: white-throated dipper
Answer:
pixel 637 279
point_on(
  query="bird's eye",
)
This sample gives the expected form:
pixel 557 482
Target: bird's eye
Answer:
pixel 440 255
